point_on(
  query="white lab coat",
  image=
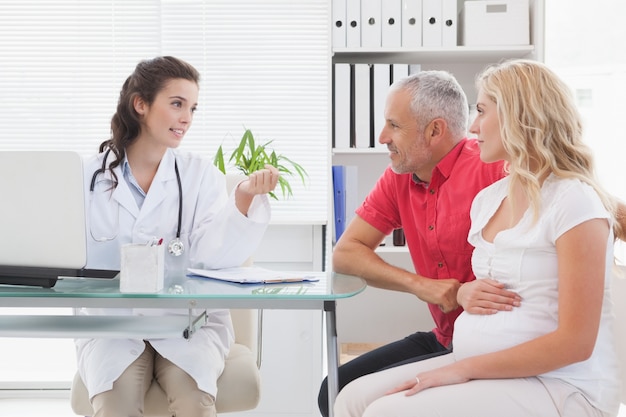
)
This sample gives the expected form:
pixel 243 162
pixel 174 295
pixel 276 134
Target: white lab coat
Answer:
pixel 215 235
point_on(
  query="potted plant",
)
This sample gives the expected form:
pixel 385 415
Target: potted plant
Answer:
pixel 250 156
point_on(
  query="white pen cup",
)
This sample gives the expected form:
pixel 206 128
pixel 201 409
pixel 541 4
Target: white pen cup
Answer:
pixel 142 268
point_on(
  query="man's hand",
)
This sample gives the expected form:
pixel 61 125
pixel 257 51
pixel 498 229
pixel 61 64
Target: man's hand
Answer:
pixel 487 296
pixel 442 292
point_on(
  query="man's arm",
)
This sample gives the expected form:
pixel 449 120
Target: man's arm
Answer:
pixel 355 254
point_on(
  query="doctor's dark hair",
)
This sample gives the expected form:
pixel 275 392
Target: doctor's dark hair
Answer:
pixel 146 81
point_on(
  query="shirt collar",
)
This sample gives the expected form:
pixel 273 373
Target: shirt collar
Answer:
pixel 125 167
pixel 133 185
pixel 418 181
pixel 445 166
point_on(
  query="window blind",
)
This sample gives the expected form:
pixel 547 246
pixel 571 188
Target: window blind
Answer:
pixel 265 65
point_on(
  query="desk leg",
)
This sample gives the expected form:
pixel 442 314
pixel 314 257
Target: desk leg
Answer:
pixel 331 351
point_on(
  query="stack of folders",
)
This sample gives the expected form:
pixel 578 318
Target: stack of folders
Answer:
pixel 371 24
pixel 345 198
pixel 359 96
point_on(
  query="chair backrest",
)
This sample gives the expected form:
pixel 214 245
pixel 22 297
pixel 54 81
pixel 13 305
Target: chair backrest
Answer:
pixel 245 322
pixel 618 295
pixel 246 325
pixel 232 180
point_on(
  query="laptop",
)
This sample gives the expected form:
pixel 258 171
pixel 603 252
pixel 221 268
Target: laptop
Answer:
pixel 42 218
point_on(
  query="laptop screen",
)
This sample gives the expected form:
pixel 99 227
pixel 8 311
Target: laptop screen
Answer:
pixel 42 217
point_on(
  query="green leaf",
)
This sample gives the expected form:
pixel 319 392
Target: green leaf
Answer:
pixel 218 161
pixel 250 156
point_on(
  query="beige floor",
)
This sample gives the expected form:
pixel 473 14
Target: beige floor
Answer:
pixel 349 351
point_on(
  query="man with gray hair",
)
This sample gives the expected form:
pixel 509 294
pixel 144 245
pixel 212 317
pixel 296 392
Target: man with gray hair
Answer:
pixel 427 190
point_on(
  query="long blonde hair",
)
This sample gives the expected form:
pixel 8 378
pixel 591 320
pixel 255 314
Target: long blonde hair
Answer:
pixel 540 127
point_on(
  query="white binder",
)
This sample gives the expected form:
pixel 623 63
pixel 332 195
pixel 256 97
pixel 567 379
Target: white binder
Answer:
pixel 431 23
pixel 382 80
pixel 341 106
pixel 399 71
pixel 392 23
pixel 449 23
pixel 339 23
pixel 412 23
pixel 371 28
pixel 362 130
pixel 353 23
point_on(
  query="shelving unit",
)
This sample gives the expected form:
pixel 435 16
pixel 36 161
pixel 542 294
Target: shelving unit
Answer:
pixel 463 61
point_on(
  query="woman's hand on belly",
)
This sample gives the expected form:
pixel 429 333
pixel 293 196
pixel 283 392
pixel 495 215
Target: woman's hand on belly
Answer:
pixel 486 296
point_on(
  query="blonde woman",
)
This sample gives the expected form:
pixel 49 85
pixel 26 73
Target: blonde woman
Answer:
pixel 546 232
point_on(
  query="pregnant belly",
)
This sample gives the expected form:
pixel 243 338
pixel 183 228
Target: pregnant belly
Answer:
pixel 479 334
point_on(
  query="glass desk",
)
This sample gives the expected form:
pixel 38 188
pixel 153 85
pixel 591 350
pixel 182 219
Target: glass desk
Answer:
pixel 189 293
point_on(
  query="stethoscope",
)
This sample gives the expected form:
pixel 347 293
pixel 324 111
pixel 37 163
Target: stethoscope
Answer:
pixel 176 246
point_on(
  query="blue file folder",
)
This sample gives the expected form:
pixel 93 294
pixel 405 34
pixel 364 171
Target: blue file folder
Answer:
pixel 345 196
pixel 339 197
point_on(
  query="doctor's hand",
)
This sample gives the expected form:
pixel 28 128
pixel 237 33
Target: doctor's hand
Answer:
pixel 486 296
pixel 262 181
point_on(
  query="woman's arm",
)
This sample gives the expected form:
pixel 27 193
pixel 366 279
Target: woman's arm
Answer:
pixel 259 182
pixel 581 253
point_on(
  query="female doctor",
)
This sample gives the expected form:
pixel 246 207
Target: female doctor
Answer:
pixel 139 188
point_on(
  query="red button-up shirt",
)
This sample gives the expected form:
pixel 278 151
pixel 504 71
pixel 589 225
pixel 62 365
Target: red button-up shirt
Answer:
pixel 435 218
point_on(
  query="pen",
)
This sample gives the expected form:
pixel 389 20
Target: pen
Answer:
pixel 154 242
pixel 278 280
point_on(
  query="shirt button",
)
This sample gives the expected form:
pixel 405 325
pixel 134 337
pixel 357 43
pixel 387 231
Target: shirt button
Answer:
pixel 133 352
pixel 431 227
pixel 440 264
pixel 432 191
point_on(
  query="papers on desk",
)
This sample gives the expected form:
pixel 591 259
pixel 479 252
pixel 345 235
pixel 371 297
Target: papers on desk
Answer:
pixel 253 275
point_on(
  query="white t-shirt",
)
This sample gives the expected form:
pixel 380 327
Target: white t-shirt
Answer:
pixel 524 258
